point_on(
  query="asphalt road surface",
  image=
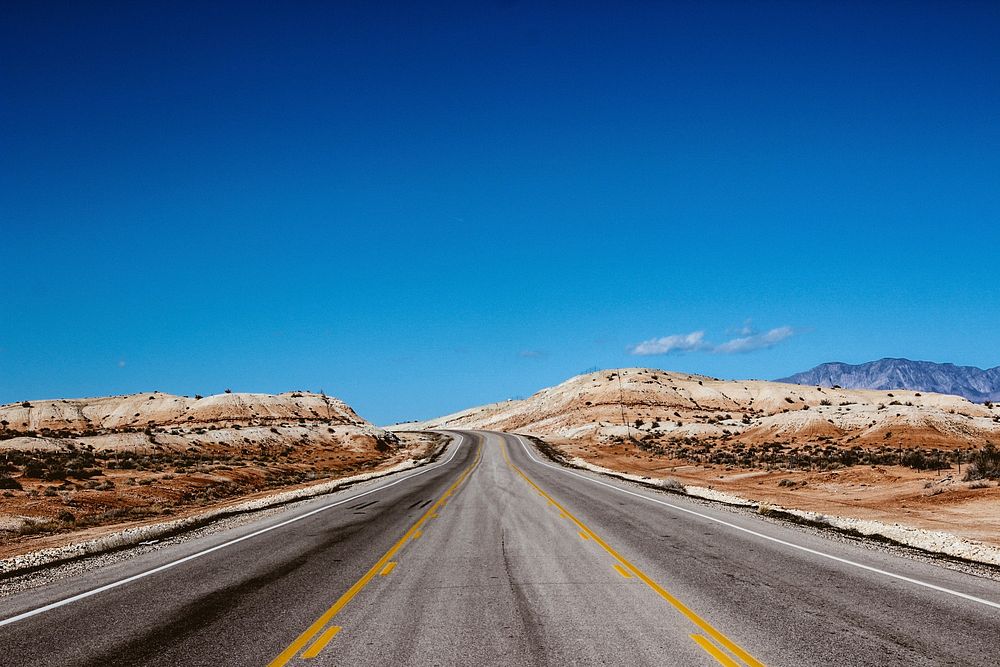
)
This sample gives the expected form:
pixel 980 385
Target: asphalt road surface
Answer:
pixel 496 556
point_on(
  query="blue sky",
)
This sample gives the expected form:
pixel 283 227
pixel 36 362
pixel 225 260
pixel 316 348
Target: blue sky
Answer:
pixel 419 209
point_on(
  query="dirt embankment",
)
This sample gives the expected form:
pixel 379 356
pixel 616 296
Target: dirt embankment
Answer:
pixel 76 468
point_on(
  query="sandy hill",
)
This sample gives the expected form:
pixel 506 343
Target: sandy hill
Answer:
pixel 156 409
pixel 157 422
pixel 673 407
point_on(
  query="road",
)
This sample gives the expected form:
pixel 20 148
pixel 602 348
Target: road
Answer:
pixel 496 556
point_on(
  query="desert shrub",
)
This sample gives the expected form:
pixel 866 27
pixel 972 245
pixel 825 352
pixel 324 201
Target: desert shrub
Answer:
pixel 671 484
pixel 32 527
pixel 55 473
pixel 35 469
pixel 919 460
pixel 984 464
pixel 10 483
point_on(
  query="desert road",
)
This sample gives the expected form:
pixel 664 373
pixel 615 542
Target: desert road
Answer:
pixel 496 556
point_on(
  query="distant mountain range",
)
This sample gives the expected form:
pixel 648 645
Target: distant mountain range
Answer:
pixel 973 383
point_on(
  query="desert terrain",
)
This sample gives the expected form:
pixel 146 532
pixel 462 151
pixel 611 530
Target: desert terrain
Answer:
pixel 918 459
pixel 72 469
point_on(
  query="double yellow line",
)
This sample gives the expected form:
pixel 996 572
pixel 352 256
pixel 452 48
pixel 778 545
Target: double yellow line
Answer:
pixel 628 570
pixel 384 566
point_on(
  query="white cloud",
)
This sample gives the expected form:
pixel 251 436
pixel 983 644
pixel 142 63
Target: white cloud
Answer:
pixel 677 343
pixel 755 341
pixel 748 341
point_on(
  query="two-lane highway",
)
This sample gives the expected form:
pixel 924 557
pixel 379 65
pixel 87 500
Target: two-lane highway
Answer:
pixel 498 557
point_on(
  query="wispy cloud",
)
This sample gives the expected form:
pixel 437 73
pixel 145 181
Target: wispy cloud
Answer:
pixel 748 341
pixel 532 354
pixel 667 344
pixel 746 329
pixel 753 342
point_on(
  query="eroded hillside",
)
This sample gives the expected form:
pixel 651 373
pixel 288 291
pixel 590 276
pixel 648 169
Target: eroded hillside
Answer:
pixel 746 423
pixel 71 465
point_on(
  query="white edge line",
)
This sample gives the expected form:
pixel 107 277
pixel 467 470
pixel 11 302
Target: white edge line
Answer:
pixel 792 545
pixel 190 557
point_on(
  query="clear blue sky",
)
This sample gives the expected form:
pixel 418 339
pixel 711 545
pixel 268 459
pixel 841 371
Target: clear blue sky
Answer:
pixel 421 209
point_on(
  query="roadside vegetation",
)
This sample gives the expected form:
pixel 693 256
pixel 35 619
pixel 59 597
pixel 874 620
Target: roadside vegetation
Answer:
pixel 817 455
pixel 984 464
pixel 50 485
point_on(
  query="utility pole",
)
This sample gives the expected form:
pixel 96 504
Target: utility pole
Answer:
pixel 621 404
pixel 326 400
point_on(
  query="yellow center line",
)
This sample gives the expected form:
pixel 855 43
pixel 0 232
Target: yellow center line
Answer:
pixel 416 534
pixel 292 650
pixel 586 533
pixel 321 643
pixel 714 651
pixel 622 571
pixel 389 567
